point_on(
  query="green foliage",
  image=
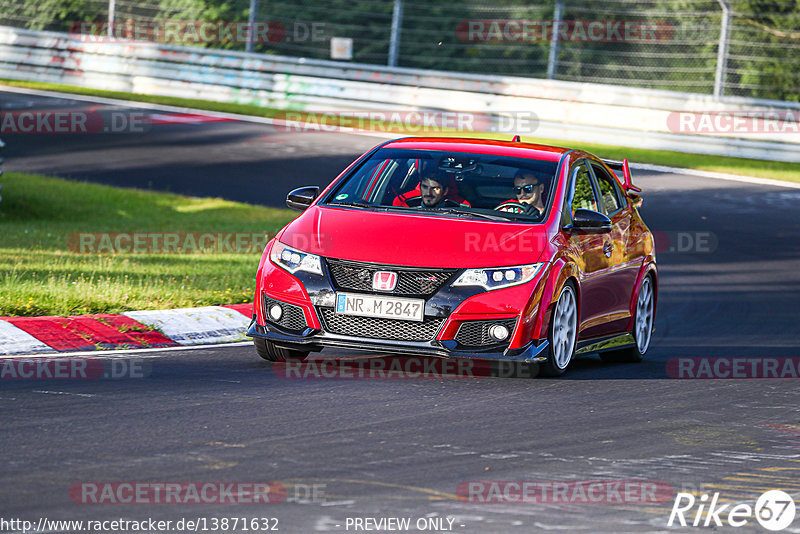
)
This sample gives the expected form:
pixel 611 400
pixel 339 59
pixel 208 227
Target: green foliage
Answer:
pixel 763 59
pixel 204 10
pixel 770 31
pixel 436 36
pixel 584 196
pixel 58 15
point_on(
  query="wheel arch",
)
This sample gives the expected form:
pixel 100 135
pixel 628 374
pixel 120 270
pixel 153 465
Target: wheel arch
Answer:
pixel 561 272
pixel 648 268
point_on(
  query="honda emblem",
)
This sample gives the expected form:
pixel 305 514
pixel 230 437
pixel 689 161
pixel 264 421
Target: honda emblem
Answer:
pixel 384 280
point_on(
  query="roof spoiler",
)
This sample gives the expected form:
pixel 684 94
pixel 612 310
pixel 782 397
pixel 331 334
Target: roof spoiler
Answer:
pixel 626 173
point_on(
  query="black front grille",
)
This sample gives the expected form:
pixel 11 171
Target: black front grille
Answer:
pixel 377 328
pixel 476 333
pixel 292 318
pixel 356 276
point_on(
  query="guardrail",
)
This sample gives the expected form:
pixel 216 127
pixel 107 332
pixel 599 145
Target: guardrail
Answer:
pixel 604 114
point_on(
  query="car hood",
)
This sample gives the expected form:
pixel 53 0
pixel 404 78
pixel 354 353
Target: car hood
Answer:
pixel 413 240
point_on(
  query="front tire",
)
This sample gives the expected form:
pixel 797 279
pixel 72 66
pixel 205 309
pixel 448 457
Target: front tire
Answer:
pixel 272 353
pixel 563 332
pixel 642 327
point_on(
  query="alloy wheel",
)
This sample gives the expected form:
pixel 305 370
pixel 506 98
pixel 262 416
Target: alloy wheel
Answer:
pixel 565 327
pixel 644 316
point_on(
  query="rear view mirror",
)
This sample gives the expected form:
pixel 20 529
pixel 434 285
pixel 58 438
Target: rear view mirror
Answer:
pixel 590 221
pixel 301 198
pixel 636 200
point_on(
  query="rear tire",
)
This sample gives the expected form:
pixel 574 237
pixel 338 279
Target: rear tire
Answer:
pixel 563 333
pixel 272 353
pixel 642 328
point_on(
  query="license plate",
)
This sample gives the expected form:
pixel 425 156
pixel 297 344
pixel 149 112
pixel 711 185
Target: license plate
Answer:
pixel 384 307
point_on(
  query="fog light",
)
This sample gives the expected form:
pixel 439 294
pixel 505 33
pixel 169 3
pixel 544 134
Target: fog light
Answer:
pixel 275 312
pixel 498 332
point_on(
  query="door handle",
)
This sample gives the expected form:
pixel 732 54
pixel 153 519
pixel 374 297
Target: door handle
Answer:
pixel 607 249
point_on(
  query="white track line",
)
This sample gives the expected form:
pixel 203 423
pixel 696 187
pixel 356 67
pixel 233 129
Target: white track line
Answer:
pixel 175 109
pixel 383 135
pixel 716 175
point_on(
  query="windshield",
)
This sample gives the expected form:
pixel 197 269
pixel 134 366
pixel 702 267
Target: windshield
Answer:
pixel 449 184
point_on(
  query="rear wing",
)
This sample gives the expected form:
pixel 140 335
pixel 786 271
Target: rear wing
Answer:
pixel 626 173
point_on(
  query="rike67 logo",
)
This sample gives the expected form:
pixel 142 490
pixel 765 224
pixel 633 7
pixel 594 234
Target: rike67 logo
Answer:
pixel 774 510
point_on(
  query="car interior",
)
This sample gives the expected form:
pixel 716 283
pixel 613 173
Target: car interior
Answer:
pixel 475 182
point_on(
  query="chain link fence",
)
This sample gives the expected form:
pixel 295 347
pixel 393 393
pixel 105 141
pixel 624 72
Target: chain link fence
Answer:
pixel 723 47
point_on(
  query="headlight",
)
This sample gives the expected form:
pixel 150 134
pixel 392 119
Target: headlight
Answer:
pixel 293 260
pixel 499 277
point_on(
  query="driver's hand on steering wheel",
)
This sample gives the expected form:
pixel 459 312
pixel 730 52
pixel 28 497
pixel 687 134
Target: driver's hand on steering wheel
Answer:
pixel 519 207
pixel 531 210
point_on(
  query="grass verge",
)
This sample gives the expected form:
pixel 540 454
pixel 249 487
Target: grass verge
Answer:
pixel 775 170
pixel 40 275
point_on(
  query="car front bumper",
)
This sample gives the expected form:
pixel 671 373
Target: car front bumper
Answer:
pixel 314 340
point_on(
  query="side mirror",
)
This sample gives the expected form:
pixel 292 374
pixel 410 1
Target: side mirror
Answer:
pixel 636 200
pixel 591 222
pixel 301 198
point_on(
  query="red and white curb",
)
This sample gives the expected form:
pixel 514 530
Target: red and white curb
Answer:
pixel 131 330
pixel 196 326
pixel 184 118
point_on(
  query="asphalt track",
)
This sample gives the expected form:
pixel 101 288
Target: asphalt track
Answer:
pixel 401 447
pixel 240 161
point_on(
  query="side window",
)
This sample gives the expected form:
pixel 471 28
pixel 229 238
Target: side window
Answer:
pixel 584 196
pixel 609 192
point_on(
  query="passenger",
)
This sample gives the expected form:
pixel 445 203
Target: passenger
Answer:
pixel 528 189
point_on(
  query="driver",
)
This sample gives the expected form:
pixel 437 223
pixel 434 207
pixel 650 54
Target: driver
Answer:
pixel 434 189
pixel 528 188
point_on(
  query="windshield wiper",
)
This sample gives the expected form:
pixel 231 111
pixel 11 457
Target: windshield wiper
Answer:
pixel 375 207
pixel 467 213
pixel 452 211
pixel 353 204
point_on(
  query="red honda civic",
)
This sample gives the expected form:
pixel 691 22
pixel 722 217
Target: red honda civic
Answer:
pixel 463 248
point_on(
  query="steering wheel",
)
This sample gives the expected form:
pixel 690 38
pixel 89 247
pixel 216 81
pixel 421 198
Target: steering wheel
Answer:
pixel 515 207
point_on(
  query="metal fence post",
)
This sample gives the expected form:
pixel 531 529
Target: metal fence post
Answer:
pixel 552 58
pixel 394 40
pixel 112 14
pixel 1 164
pixel 251 20
pixel 722 50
